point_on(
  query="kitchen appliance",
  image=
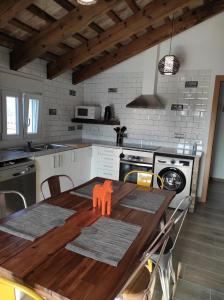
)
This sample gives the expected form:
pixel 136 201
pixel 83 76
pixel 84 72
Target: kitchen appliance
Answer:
pixel 18 175
pixel 176 173
pixel 140 147
pixel 134 160
pixel 88 112
pixel 108 113
pixel 149 98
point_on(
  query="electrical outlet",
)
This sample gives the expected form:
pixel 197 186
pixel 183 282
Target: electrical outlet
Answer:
pixel 178 135
pixel 72 92
pixel 125 135
pixel 177 107
pixel 191 84
pixel 112 90
pixel 71 128
pixel 52 112
pixel 79 127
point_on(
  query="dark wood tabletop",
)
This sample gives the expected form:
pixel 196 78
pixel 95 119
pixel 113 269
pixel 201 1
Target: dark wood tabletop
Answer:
pixel 56 273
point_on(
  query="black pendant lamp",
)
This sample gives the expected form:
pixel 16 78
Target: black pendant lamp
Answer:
pixel 169 64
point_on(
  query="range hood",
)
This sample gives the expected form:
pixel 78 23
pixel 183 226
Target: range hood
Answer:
pixel 148 98
pixel 146 101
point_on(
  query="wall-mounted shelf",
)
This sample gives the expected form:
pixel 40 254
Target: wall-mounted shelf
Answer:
pixel 99 122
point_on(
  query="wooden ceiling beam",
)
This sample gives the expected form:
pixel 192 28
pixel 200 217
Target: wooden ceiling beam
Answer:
pixel 37 11
pixel 10 8
pixel 58 31
pixel 132 5
pixel 49 19
pixel 150 39
pixel 12 42
pixel 152 13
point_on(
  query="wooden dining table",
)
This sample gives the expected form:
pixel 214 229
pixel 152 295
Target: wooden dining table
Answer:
pixel 57 273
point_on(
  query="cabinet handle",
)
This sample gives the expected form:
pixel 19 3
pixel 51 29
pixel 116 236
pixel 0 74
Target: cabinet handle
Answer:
pixel 74 157
pixel 60 160
pixel 54 162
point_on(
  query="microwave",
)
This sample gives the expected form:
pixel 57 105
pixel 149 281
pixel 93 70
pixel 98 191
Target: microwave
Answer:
pixel 88 112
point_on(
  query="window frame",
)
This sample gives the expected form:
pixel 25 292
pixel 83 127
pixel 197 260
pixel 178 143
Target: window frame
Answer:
pixel 26 98
pixel 23 105
pixel 4 95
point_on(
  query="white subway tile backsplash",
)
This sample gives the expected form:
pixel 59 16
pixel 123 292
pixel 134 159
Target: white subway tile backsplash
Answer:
pixel 153 126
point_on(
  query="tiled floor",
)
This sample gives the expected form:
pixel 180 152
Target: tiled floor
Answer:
pixel 200 249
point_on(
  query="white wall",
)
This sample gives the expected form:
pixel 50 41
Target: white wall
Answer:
pixel 199 48
pixel 218 150
pixel 32 78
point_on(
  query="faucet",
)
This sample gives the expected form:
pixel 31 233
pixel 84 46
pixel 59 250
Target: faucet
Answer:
pixel 29 145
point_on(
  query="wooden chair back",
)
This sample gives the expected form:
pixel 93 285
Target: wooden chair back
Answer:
pixel 54 185
pixel 8 290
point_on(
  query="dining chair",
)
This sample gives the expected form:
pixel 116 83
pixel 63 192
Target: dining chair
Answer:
pixel 54 184
pixel 165 262
pixel 140 286
pixel 144 178
pixel 3 211
pixel 8 290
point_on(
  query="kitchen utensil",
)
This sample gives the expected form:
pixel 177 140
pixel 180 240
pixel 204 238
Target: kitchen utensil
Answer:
pixel 107 113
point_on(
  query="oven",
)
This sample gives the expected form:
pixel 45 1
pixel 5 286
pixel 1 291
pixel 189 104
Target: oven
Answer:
pixel 134 161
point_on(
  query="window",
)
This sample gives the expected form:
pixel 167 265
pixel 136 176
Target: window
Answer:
pixel 20 115
pixel 12 115
pixel 33 116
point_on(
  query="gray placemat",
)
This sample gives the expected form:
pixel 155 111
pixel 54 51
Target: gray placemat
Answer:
pixel 87 190
pixel 107 240
pixel 144 201
pixel 37 221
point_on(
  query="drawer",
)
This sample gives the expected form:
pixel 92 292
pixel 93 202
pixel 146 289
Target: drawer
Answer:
pixel 110 174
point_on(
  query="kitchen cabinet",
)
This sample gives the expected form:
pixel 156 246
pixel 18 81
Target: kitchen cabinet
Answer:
pixel 80 166
pixel 50 165
pixel 105 162
pixel 74 163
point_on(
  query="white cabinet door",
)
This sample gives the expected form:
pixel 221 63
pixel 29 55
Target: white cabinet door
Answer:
pixel 105 162
pixel 50 165
pixel 62 166
pixel 44 169
pixel 81 165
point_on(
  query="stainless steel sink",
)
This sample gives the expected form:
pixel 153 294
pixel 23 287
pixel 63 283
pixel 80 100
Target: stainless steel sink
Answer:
pixel 51 146
pixel 42 147
pixel 25 149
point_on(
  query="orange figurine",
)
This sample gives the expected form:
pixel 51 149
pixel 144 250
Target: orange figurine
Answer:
pixel 102 197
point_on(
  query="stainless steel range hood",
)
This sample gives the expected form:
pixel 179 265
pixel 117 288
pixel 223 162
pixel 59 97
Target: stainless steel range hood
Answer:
pixel 146 101
pixel 149 98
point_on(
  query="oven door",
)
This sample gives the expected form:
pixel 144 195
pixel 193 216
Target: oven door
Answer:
pixel 127 166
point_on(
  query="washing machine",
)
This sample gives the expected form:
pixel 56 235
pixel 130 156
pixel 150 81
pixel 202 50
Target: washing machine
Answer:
pixel 176 173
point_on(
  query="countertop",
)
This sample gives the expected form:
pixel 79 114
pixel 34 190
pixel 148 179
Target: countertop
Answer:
pixel 161 150
pixel 10 154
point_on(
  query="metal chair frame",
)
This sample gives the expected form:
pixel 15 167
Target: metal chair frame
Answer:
pixel 54 184
pixel 15 192
pixel 146 173
pixel 159 242
pixel 165 265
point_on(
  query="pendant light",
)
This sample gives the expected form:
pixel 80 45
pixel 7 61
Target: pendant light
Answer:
pixel 87 2
pixel 169 64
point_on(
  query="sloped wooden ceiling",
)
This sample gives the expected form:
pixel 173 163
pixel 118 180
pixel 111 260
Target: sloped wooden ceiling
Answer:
pixel 91 39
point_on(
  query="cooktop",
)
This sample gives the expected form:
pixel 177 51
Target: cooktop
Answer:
pixel 142 147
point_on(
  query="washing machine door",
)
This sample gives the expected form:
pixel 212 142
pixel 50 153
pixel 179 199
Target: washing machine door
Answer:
pixel 173 179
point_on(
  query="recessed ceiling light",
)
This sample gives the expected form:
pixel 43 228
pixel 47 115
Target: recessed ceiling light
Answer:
pixel 87 2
